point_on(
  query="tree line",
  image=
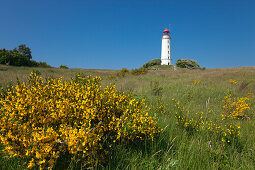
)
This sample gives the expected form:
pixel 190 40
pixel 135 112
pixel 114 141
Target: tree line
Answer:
pixel 21 56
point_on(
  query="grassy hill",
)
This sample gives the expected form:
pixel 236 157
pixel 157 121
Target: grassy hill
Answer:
pixel 191 139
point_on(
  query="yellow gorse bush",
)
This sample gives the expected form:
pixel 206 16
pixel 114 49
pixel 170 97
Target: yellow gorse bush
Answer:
pixel 42 119
pixel 236 107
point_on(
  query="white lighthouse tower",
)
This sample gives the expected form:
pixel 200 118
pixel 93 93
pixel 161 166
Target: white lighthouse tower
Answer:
pixel 166 48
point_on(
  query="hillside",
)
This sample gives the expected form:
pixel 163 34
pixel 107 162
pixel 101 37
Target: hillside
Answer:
pixel 191 139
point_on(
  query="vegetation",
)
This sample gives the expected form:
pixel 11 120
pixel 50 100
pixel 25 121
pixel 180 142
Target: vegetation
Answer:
pixel 139 71
pixel 123 72
pixel 19 57
pixel 78 118
pixel 206 117
pixel 63 66
pixel 153 62
pixel 187 63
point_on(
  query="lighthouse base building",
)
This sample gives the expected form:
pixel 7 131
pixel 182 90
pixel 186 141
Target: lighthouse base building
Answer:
pixel 166 48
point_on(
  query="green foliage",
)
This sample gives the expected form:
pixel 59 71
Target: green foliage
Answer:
pixel 19 57
pixel 153 62
pixel 24 51
pixel 34 63
pixel 63 66
pixel 44 64
pixel 187 63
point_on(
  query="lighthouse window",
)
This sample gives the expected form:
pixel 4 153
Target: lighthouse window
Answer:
pixel 168 52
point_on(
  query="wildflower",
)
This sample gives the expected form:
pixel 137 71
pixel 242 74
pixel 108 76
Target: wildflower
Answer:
pixel 234 82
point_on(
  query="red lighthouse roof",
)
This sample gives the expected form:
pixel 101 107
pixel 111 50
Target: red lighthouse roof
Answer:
pixel 166 30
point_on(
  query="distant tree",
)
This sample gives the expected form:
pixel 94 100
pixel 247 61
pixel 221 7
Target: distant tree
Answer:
pixel 19 57
pixel 187 63
pixel 5 56
pixel 24 50
pixel 63 66
pixel 153 62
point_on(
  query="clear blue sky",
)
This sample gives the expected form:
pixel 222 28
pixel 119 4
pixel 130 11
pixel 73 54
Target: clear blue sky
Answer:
pixel 113 34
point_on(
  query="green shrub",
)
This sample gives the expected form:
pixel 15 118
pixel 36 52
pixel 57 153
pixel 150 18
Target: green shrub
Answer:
pixel 34 63
pixel 153 62
pixel 44 64
pixel 63 66
pixel 187 63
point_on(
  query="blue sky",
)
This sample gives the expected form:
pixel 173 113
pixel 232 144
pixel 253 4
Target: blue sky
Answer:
pixel 114 34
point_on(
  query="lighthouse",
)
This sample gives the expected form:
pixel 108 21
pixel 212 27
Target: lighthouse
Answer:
pixel 166 48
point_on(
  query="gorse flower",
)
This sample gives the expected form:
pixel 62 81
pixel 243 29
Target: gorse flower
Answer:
pixel 226 132
pixel 236 107
pixel 196 82
pixel 233 81
pixel 40 120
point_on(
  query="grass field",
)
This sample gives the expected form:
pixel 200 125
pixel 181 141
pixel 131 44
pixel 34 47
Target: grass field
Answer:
pixel 178 146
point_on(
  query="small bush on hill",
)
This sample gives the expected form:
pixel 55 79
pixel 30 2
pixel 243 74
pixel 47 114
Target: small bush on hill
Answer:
pixel 139 71
pixel 153 62
pixel 122 72
pixel 64 66
pixel 236 107
pixel 44 64
pixel 187 63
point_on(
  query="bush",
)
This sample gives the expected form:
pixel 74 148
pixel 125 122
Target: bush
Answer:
pixel 187 63
pixel 139 71
pixel 236 107
pixel 122 72
pixel 33 63
pixel 44 120
pixel 153 62
pixel 63 66
pixel 44 64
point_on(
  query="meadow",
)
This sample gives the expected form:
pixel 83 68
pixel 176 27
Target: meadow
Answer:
pixel 206 118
